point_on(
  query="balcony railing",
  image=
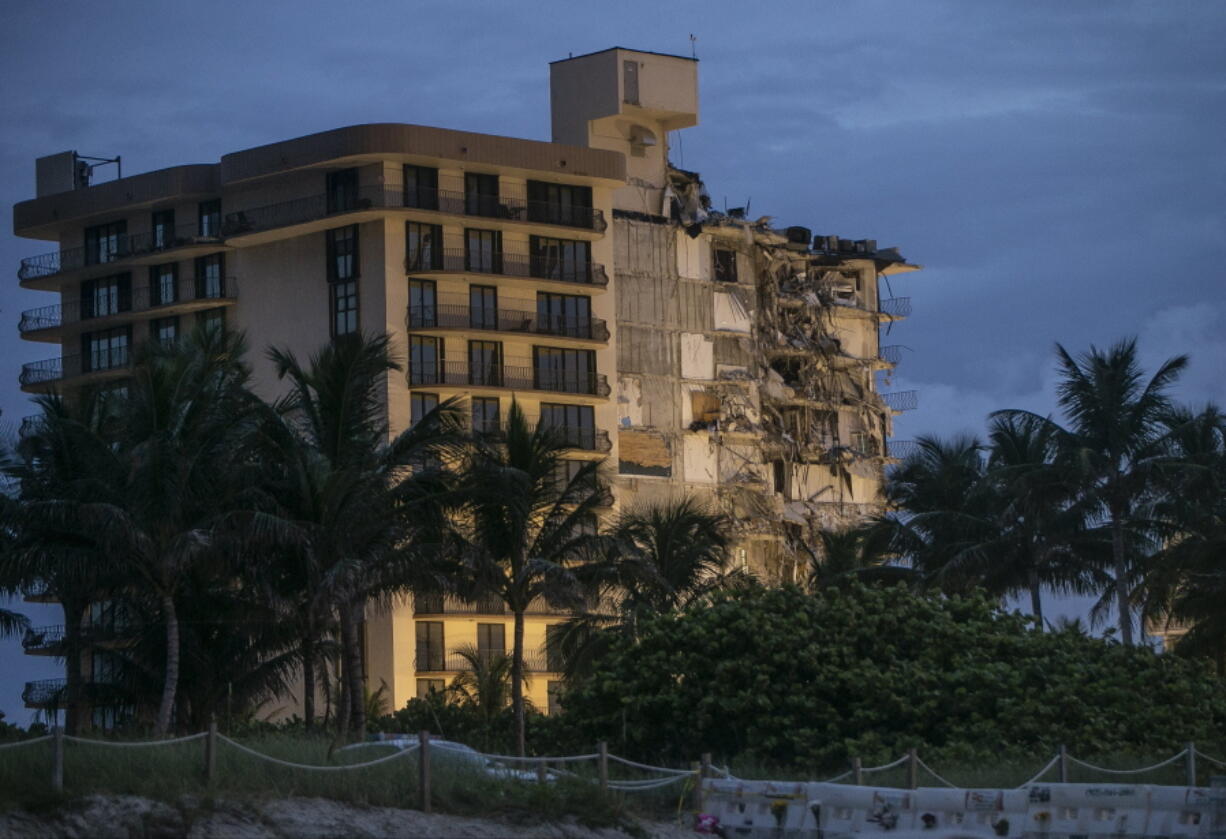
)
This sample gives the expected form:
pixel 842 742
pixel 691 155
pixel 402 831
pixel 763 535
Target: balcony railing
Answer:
pixel 125 247
pixel 460 316
pixel 42 639
pixel 315 207
pixel 891 354
pixel 460 374
pixel 902 449
pixel 141 299
pixel 901 400
pixel 896 307
pixel 53 693
pixel 66 367
pixel 574 436
pixel 507 264
pixel 436 662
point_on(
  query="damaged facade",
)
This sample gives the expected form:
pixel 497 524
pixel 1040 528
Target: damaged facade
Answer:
pixel 747 356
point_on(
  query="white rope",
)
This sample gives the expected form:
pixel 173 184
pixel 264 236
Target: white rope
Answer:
pixel 48 737
pixel 399 754
pixel 1091 766
pixel 1042 771
pixel 724 771
pixel 517 759
pixel 641 786
pixel 837 778
pixel 137 743
pixel 648 768
pixel 1210 759
pixel 933 773
pixel 898 762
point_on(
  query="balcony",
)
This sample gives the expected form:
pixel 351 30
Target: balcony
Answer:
pixel 47 322
pixel 891 354
pixel 902 449
pixel 324 206
pixel 901 400
pixel 448 316
pixel 43 640
pixel 127 247
pixel 459 374
pixel 575 436
pixel 102 364
pixel 507 264
pixel 435 662
pixel 45 693
pixel 895 308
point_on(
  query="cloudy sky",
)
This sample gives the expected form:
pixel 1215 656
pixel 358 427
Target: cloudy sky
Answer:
pixel 1056 166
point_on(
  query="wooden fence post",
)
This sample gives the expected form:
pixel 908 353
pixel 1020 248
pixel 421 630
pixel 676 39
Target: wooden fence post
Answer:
pixel 423 770
pixel 1063 764
pixel 541 774
pixel 696 768
pixel 57 759
pixel 210 753
pixel 912 769
pixel 1191 764
pixel 857 771
pixel 602 767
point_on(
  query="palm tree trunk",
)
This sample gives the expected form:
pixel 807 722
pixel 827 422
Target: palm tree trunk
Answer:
pixel 344 704
pixel 1121 579
pixel 308 682
pixel 74 714
pixel 517 681
pixel 1036 598
pixel 355 679
pixel 171 684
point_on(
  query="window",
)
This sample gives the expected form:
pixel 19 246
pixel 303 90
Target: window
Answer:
pixel 554 693
pixel 491 640
pixel 106 350
pixel 567 371
pixel 483 307
pixel 564 314
pixel 421 404
pixel 163 230
pixel 486 415
pixel 210 277
pixel 421 187
pixel 106 296
pixel 164 330
pixel 560 204
pixel 483 251
pixel 566 471
pixel 485 363
pixel 553 648
pixel 341 189
pixel 106 242
pixel 426 687
pixel 211 319
pixel 430 645
pixel 423 304
pixel 560 259
pixel 342 248
pixel 342 255
pixel 630 82
pixel 423 247
pixel 425 360
pixel 725 265
pixel 164 284
pixel 480 194
pixel 210 218
pixel 575 423
pixel 344 304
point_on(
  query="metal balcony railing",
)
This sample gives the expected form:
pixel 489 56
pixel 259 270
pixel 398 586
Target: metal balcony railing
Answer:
pixel 460 316
pixel 45 692
pixel 42 638
pixel 574 436
pixel 68 366
pixel 891 354
pixel 460 374
pixel 315 207
pixel 124 247
pixel 143 298
pixel 434 661
pixel 507 264
pixel 897 307
pixel 901 400
pixel 902 449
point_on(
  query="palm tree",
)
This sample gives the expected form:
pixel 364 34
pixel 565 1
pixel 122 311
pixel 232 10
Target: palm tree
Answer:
pixel 526 527
pixel 862 552
pixel 484 687
pixel 1116 439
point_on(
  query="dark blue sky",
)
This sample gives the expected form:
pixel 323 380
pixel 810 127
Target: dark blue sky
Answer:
pixel 1057 166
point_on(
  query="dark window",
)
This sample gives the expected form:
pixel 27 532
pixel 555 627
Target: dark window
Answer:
pixel 630 82
pixel 342 190
pixel 164 330
pixel 423 247
pixel 554 693
pixel 780 476
pixel 426 687
pixel 211 319
pixel 106 242
pixel 483 307
pixel 725 265
pixel 210 277
pixel 486 418
pixel 575 423
pixel 106 350
pixel 164 284
pixel 483 251
pixel 491 640
pixel 560 259
pixel 560 204
pixel 553 648
pixel 480 194
pixel 485 363
pixel 210 218
pixel 342 253
pixel 423 304
pixel 344 305
pixel 430 646
pixel 425 360
pixel 163 229
pixel 564 314
pixel 567 371
pixel 106 296
pixel 421 187
pixel 421 404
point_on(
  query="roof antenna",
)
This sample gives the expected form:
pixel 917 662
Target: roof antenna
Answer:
pixel 693 46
